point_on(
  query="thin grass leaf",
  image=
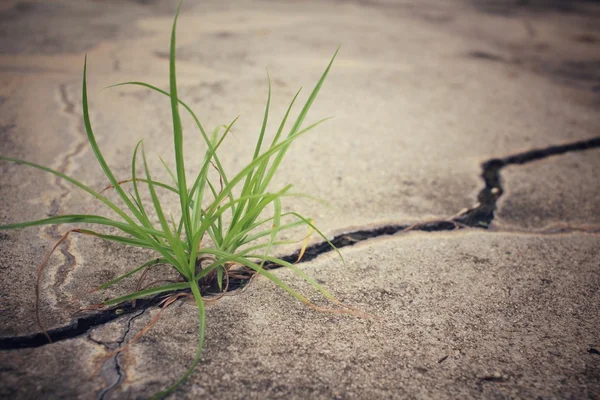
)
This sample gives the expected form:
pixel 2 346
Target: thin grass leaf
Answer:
pixel 196 120
pixel 299 120
pixel 220 278
pixel 201 334
pixel 304 244
pixel 264 123
pixel 178 135
pixel 236 238
pixel 202 177
pixel 309 223
pixel 75 182
pixel 275 165
pixel 147 292
pixel 210 219
pixel 157 246
pixel 174 242
pixel 83 219
pixel 256 267
pixel 61 219
pixel 155 183
pixel 188 109
pixel 246 188
pixel 135 186
pixel 152 262
pixel 121 239
pixel 250 250
pixel 98 153
pixel 284 120
pixel 312 96
pixel 297 271
pixel 216 231
pixel 257 180
pixel 232 183
pixel 253 214
pixel 168 171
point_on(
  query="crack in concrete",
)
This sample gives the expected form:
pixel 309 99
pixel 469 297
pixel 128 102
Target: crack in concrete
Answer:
pixel 118 367
pixel 99 342
pixel 482 215
pixel 479 216
pixel 70 260
pixel 78 327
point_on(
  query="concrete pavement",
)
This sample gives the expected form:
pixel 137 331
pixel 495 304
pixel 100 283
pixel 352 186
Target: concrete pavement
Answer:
pixel 422 94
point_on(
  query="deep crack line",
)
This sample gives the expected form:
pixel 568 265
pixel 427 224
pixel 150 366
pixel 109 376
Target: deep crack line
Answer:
pixel 482 215
pixel 477 217
pixel 82 325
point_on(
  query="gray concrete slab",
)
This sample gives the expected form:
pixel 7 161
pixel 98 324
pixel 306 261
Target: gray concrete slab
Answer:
pixel 422 93
pixel 460 315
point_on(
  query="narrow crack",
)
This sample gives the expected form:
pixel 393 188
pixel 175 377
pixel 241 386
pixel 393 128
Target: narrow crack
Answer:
pixel 119 369
pixel 477 217
pixel 99 342
pixel 70 261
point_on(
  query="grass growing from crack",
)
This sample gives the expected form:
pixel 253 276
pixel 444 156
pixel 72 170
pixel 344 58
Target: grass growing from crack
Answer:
pixel 235 241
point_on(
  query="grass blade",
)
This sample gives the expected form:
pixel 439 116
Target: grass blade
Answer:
pixel 300 120
pixel 146 221
pixel 178 134
pixel 147 292
pixel 132 272
pixel 201 334
pixel 174 242
pixel 245 189
pixel 98 153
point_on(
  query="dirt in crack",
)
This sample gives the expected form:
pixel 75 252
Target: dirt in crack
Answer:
pixel 478 217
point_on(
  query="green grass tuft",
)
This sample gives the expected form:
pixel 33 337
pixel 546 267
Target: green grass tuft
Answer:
pixel 235 244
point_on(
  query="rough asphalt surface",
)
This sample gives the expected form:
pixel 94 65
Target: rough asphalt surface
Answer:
pixel 474 123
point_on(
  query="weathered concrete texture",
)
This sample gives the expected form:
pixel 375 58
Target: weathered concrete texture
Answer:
pixel 413 130
pixel 422 93
pixel 39 27
pixel 463 315
pixel 524 308
pixel 554 192
pixel 418 101
pixel 60 371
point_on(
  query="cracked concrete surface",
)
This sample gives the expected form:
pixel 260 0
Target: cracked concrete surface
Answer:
pixel 566 192
pixel 422 94
pixel 459 315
